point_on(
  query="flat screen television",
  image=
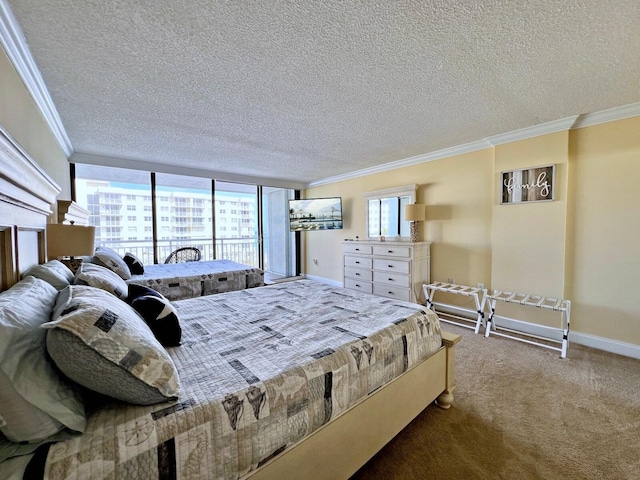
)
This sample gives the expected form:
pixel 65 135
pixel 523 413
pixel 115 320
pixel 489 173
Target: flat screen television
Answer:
pixel 313 214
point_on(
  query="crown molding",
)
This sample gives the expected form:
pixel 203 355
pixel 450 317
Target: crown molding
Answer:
pixel 17 50
pixel 22 181
pixel 562 125
pixel 423 158
pixel 605 116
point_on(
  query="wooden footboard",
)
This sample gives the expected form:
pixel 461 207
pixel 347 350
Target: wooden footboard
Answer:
pixel 340 448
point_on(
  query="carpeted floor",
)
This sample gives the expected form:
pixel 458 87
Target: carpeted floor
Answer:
pixel 521 412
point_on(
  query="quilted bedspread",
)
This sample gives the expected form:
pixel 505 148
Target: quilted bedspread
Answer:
pixel 178 281
pixel 259 369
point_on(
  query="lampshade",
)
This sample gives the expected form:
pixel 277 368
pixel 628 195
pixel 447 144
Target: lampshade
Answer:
pixel 414 212
pixel 69 240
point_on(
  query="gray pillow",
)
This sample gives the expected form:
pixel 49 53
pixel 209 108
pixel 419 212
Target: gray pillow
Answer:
pixel 100 342
pixel 35 401
pixel 103 278
pixel 54 272
pixel 111 259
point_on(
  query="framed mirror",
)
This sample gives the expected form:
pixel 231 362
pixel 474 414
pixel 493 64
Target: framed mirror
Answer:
pixel 385 212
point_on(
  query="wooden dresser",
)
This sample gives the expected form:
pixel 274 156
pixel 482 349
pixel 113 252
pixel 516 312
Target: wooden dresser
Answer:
pixel 390 269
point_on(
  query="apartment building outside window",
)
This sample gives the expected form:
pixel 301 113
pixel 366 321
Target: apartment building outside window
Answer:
pixel 119 201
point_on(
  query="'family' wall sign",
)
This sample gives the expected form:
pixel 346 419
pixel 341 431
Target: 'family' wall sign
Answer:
pixel 528 185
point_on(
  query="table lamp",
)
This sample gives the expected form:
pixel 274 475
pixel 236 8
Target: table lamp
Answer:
pixel 414 213
pixel 65 242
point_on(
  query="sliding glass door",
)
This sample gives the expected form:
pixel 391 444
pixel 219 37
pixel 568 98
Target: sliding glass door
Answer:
pixel 278 241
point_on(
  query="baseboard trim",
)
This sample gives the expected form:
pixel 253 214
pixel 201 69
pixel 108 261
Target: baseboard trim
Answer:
pixel 585 339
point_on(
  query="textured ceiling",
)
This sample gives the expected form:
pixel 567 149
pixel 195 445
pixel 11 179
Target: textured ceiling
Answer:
pixel 303 90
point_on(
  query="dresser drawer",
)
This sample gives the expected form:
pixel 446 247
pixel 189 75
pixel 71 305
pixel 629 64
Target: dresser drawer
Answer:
pixel 391 292
pixel 361 249
pixel 360 262
pixel 396 266
pixel 390 251
pixel 353 284
pixel 395 279
pixel 358 273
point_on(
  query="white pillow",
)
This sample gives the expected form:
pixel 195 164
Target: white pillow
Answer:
pixel 54 272
pixel 36 401
pixel 111 259
pixel 102 278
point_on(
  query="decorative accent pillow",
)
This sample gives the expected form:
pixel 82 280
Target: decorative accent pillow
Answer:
pixel 161 317
pixel 36 401
pixel 111 259
pixel 101 343
pixel 135 265
pixel 136 290
pixel 103 278
pixel 53 272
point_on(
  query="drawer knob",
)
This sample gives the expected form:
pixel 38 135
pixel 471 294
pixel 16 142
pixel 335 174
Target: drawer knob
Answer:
pixel 357 249
pixel 358 263
pixel 357 285
pixel 390 279
pixel 389 251
pixel 390 266
pixel 390 293
pixel 357 274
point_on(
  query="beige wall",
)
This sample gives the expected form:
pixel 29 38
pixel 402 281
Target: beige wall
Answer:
pixel 20 116
pixel 583 246
pixel 457 192
pixel 603 230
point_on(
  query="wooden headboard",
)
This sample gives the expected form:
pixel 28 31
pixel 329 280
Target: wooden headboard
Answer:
pixel 26 196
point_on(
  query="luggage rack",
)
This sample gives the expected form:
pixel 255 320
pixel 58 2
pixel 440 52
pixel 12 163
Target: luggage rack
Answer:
pixel 555 304
pixel 464 290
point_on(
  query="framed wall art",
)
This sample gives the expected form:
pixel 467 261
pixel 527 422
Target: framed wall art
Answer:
pixel 528 185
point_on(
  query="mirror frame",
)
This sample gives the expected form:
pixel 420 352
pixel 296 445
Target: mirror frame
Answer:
pixel 394 192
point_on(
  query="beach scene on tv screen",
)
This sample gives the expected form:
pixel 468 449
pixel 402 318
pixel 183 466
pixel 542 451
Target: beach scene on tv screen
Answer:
pixel 315 214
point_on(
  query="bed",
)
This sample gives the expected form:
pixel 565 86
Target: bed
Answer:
pixel 194 279
pixel 225 410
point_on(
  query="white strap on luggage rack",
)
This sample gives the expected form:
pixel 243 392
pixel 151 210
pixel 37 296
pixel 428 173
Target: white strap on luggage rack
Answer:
pixel 474 292
pixel 555 304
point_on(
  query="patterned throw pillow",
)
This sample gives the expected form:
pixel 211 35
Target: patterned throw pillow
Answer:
pixel 101 343
pixel 103 278
pixel 161 317
pixel 136 290
pixel 135 265
pixel 111 259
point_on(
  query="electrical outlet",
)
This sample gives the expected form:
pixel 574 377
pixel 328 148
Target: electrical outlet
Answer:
pixel 451 280
pixel 481 286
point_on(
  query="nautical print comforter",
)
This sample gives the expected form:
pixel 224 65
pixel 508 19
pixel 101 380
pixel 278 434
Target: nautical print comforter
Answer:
pixel 260 369
pixel 178 281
